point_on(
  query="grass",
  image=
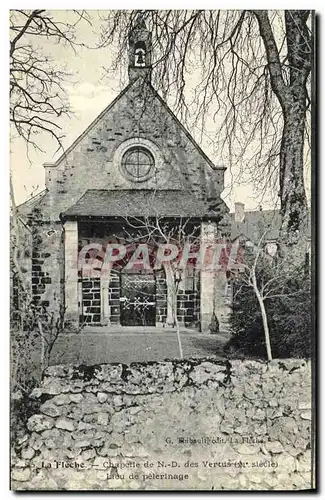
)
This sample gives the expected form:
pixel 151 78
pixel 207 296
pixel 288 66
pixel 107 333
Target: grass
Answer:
pixel 127 347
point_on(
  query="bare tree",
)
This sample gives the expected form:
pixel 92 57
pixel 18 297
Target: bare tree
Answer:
pixel 37 96
pixel 37 102
pixel 268 276
pixel 160 234
pixel 254 70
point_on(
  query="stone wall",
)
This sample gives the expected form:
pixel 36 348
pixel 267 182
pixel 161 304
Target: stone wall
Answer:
pixel 91 301
pixel 47 264
pixel 194 424
pixel 161 298
pixel 188 305
pixel 114 298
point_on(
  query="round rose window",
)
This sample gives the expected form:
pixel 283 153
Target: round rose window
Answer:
pixel 138 163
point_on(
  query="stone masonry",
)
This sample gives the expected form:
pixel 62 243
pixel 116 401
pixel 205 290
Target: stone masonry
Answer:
pixel 188 305
pixel 161 299
pixel 182 425
pixel 91 300
pixel 47 265
pixel 114 298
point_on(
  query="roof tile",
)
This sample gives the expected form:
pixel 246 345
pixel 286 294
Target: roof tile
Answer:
pixel 137 203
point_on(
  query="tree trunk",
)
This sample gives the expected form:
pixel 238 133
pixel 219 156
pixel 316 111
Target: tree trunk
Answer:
pixel 178 333
pixel 294 209
pixel 171 305
pixel 291 93
pixel 264 316
pixel 172 291
pixel 292 189
pixel 265 327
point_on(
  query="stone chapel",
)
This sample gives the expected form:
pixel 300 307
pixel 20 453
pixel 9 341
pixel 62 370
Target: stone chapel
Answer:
pixel 135 159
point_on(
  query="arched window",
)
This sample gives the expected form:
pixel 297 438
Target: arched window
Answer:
pixel 138 163
pixel 140 54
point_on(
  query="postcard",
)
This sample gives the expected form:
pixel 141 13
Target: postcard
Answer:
pixel 161 272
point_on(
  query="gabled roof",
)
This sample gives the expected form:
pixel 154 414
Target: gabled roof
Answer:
pixel 139 203
pixel 186 132
pixel 93 123
pixel 164 104
pixel 26 207
pixel 256 222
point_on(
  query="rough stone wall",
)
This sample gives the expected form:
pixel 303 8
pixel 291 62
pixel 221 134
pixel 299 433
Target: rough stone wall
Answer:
pixel 22 248
pixel 161 298
pixel 114 298
pixel 47 265
pixel 188 310
pixel 194 424
pixel 91 300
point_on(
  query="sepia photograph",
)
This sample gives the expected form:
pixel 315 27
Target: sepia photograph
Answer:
pixel 162 250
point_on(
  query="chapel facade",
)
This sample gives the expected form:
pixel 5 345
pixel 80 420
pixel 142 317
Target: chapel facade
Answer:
pixel 135 162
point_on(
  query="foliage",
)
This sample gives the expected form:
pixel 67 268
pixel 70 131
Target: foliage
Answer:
pixel 34 331
pixel 288 314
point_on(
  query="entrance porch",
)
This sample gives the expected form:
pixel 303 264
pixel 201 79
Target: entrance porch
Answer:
pixel 138 296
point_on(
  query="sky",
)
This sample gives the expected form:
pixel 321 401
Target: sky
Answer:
pixel 89 91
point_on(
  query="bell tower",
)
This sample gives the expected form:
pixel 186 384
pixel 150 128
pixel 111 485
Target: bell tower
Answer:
pixel 139 50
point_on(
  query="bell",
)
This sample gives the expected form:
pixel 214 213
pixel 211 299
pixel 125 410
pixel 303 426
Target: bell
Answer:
pixel 139 59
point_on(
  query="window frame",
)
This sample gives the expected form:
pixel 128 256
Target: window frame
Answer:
pixel 126 166
pixel 149 145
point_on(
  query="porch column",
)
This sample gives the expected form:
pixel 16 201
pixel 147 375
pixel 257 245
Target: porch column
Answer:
pixel 71 272
pixel 104 296
pixel 207 282
pixel 222 300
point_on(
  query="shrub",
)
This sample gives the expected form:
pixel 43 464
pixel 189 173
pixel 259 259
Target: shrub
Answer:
pixel 288 314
